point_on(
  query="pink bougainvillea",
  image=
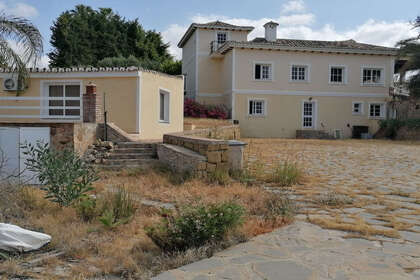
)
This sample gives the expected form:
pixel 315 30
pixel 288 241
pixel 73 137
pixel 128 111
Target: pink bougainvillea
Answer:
pixel 196 110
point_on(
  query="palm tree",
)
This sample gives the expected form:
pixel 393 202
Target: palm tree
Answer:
pixel 28 49
pixel 410 51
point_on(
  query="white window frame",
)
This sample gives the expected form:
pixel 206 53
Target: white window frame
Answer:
pixel 44 89
pixel 314 113
pixel 361 112
pixel 382 110
pixel 263 63
pixel 307 72
pixel 345 74
pixel 224 32
pixel 167 105
pixel 264 113
pixel 373 67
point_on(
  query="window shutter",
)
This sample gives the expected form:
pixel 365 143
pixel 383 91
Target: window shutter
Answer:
pixel 257 71
pixel 251 105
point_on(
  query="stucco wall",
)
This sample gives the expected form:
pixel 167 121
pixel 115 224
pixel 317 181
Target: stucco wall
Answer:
pixel 189 63
pixel 120 100
pixel 150 126
pixel 319 71
pixel 284 115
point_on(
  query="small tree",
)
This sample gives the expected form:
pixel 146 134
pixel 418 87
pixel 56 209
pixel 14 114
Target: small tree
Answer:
pixel 65 176
pixel 410 50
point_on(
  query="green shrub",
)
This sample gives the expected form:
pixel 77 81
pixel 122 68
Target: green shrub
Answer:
pixel 117 208
pixel 65 176
pixel 286 174
pixel 391 126
pixel 86 209
pixel 195 226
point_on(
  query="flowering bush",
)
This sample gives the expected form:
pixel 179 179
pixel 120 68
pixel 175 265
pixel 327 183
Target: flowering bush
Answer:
pixel 195 226
pixel 196 110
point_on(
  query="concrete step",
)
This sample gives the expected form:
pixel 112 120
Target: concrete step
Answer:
pixel 133 150
pixel 135 145
pixel 143 155
pixel 127 162
pixel 115 167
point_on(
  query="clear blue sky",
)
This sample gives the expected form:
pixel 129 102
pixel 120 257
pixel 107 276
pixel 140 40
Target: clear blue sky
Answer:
pixel 344 16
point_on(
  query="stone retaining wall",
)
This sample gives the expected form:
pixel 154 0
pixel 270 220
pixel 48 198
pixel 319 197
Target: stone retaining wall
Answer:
pixel 230 132
pixel 216 152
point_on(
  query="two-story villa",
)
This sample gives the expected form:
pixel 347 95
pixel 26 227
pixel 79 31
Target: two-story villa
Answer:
pixel 276 87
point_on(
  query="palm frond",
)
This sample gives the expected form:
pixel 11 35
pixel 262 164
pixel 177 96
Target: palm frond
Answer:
pixel 25 34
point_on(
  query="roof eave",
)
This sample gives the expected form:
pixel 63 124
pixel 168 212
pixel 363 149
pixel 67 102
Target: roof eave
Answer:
pixel 194 26
pixel 229 45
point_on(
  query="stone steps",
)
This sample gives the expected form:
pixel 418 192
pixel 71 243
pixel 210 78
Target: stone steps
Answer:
pixel 127 165
pixel 133 150
pixel 131 145
pixel 126 162
pixel 138 155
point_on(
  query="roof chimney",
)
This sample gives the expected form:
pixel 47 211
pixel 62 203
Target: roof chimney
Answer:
pixel 271 31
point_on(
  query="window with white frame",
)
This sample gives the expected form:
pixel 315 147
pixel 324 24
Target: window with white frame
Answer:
pixel 337 74
pixel 263 72
pixel 256 107
pixel 308 114
pixel 299 73
pixel 163 106
pixel 62 100
pixel 372 76
pixel 357 108
pixel 221 37
pixel 377 110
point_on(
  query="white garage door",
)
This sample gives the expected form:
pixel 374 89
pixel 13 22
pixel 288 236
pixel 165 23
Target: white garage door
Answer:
pixel 9 153
pixel 10 141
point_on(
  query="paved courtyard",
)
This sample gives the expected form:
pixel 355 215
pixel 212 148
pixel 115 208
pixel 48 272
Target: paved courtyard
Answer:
pixel 359 216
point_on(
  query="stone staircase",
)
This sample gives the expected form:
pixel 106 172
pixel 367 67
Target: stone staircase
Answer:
pixel 130 155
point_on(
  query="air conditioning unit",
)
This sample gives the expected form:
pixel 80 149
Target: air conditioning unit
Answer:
pixel 10 83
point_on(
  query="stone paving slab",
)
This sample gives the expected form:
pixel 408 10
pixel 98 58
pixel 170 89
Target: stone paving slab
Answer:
pixel 305 251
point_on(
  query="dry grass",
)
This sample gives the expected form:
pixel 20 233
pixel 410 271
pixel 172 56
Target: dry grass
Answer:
pixel 206 123
pixel 359 227
pixel 126 250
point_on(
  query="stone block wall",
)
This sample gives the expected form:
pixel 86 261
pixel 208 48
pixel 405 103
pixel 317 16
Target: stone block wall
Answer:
pixel 215 152
pixel 230 132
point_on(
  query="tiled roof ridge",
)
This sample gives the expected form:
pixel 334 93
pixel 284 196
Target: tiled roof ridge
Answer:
pixel 86 69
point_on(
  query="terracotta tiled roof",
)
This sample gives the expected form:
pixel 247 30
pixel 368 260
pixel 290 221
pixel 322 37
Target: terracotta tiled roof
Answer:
pixel 211 25
pixel 348 46
pixel 87 69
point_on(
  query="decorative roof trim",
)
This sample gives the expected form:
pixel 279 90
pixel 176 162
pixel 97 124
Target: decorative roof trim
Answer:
pixel 270 46
pixel 98 71
pixel 194 26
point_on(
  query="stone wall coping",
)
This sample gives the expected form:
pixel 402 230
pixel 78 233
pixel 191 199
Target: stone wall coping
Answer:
pixel 204 130
pixel 236 143
pixel 185 151
pixel 197 139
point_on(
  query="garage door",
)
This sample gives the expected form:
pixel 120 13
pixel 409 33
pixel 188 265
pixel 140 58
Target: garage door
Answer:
pixel 9 153
pixel 10 140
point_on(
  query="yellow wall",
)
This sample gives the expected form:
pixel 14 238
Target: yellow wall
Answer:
pixel 319 71
pixel 120 99
pixel 284 115
pixel 150 126
pixel 122 95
